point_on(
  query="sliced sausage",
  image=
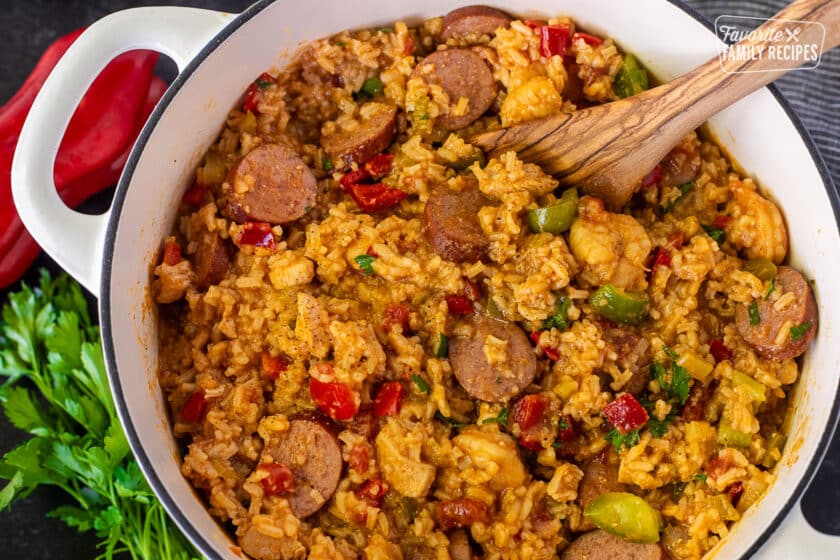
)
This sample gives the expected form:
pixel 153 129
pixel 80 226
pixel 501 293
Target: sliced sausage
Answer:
pixel 633 353
pixel 450 222
pixel 459 545
pixel 211 259
pixel 681 165
pixel 473 20
pixel 695 405
pixel 771 337
pixel 372 137
pixel 508 375
pixel 600 545
pixel 600 475
pixel 270 184
pixel 310 449
pixel 460 73
pixel 262 547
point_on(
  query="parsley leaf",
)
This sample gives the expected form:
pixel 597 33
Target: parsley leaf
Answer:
pixel 685 188
pixel 716 234
pixel 451 421
pixel 370 88
pixel 753 312
pixel 701 477
pixel 365 263
pixel 327 164
pixel 502 418
pixel 677 386
pixel 559 320
pixel 619 440
pixel 442 349
pixel 660 427
pixel 48 341
pixel 799 331
pixel 422 386
pixel 771 288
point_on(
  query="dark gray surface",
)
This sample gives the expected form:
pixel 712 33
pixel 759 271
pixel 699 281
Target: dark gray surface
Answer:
pixel 29 26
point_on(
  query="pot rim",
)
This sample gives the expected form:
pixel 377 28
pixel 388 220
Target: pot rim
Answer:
pixel 172 508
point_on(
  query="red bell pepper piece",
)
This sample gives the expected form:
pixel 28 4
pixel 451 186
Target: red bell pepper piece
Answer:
pixel 554 40
pixel 278 480
pixel 721 221
pixel 719 350
pixel 380 165
pixel 653 178
pixel 253 95
pixel 461 512
pixel 353 177
pixel 372 198
pixel 389 399
pixel 529 413
pixel 661 257
pixel 459 305
pixel 172 253
pixel 590 40
pixel 273 366
pixel 372 491
pixel 551 353
pixel 196 195
pixel 258 234
pixel 568 430
pixel 625 413
pixel 395 314
pixel 194 408
pixel 335 399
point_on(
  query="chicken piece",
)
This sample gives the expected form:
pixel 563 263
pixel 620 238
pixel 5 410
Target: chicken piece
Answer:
pixel 612 248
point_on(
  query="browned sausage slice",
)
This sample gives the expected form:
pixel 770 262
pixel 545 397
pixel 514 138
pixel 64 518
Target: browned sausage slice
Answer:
pixel 600 475
pixel 473 20
pixel 459 545
pixel 450 221
pixel 372 137
pixel 311 451
pixel 633 353
pixel 599 545
pixel 262 547
pixel 681 165
pixel 511 371
pixel 212 259
pixel 270 184
pixel 460 73
pixel 772 337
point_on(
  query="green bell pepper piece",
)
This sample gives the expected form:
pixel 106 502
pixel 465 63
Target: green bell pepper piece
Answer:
pixel 625 515
pixel 617 305
pixel 556 218
pixel 631 79
pixel 762 268
pixel 730 437
pixel 755 389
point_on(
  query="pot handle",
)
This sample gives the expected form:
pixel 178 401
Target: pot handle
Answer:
pixel 796 538
pixel 73 239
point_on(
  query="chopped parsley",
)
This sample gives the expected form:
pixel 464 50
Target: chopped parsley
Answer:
pixel 701 477
pixel 685 188
pixel 451 421
pixel 365 263
pixel 771 288
pixel 422 386
pixel 557 444
pixel 370 88
pixel 660 427
pixel 442 350
pixel 619 440
pixel 502 418
pixel 715 233
pixel 340 44
pixel 559 320
pixel 327 164
pixel 677 387
pixel 386 29
pixel 677 490
pixel 263 84
pixel 799 331
pixel 563 425
pixel 753 311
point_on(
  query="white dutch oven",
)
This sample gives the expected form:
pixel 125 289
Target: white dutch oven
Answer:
pixel 218 55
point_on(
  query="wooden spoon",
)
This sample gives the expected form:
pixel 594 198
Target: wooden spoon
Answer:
pixel 606 150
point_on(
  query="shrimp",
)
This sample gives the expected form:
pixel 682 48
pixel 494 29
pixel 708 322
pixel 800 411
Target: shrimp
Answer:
pixel 757 225
pixel 612 248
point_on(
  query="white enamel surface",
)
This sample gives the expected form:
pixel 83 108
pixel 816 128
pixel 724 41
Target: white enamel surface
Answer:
pixel 756 131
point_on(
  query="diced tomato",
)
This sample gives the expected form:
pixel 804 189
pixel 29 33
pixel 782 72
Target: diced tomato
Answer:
pixel 569 431
pixel 172 253
pixel 735 490
pixel 258 234
pixel 409 46
pixel 625 413
pixel 278 480
pixel 395 314
pixel 253 94
pixel 721 221
pixel 550 352
pixel 661 257
pixel 461 512
pixel 459 305
pixel 653 178
pixel 389 399
pixel 373 491
pixel 195 195
pixel 554 40
pixel 529 411
pixel 337 400
pixel 380 165
pixel 359 458
pixel 352 178
pixel 472 290
pixel 273 366
pixel 534 24
pixel 194 408
pixel 372 198
pixel 590 40
pixel 719 350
